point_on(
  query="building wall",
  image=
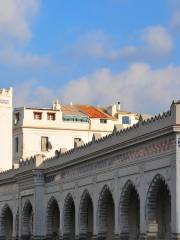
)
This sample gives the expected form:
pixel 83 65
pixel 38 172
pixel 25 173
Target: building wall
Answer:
pixel 6 128
pixel 58 139
pixel 61 134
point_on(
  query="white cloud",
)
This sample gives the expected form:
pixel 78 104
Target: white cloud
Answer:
pixel 15 18
pixel 92 44
pixel 175 20
pixel 33 94
pixel 15 58
pixel 156 42
pixel 139 87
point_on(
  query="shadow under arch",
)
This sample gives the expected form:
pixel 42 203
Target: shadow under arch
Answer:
pixel 106 214
pixel 158 209
pixel 6 222
pixel 27 221
pixel 53 219
pixel 129 208
pixel 86 216
pixel 69 218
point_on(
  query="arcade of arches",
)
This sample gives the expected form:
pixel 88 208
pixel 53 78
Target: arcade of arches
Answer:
pixel 98 214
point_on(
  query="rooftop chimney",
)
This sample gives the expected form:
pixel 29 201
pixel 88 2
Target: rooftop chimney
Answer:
pixel 118 106
pixel 56 105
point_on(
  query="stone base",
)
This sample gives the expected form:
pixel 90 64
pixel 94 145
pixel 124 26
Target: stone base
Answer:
pixel 39 238
pixel 143 236
pixel 116 237
pixel 85 236
pixel 124 236
pixel 175 236
pixel 68 237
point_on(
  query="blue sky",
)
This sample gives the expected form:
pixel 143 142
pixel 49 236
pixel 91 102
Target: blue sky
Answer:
pixel 91 51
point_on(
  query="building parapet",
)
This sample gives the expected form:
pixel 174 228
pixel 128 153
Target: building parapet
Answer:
pixel 118 138
pixel 6 92
pixel 8 174
pixel 142 128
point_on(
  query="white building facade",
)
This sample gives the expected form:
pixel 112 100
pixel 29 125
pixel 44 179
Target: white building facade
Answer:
pixel 6 123
pixel 124 186
pixel 48 131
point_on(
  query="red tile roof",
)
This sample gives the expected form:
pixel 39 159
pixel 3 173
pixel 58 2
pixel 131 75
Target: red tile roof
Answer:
pixel 93 112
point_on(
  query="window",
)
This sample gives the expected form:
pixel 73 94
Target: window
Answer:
pixel 37 115
pixel 126 120
pixel 51 116
pixel 16 118
pixel 71 118
pixel 16 144
pixel 103 120
pixel 44 144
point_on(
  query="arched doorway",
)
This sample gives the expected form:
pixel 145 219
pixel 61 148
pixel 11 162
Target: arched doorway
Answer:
pixel 6 223
pixel 86 217
pixel 106 216
pixel 53 219
pixel 129 212
pixel 158 209
pixel 27 221
pixel 69 218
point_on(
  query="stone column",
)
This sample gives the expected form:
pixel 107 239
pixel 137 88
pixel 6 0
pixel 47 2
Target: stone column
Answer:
pixel 76 218
pixel 2 237
pixel 175 192
pixel 61 218
pixel 142 195
pixel 39 206
pixel 95 218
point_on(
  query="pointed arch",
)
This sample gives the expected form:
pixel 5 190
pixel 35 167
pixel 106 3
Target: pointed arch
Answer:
pixel 6 222
pixel 69 218
pixel 106 214
pixel 86 216
pixel 53 219
pixel 27 220
pixel 158 208
pixel 129 208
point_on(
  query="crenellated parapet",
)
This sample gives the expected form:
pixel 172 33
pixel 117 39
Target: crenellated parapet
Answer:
pixel 119 139
pixel 6 92
pixel 8 175
pixel 31 163
pixel 122 137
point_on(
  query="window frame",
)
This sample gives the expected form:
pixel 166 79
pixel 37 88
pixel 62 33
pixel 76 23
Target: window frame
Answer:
pixel 37 114
pixel 16 144
pixel 124 120
pixel 49 116
pixel 103 121
pixel 46 147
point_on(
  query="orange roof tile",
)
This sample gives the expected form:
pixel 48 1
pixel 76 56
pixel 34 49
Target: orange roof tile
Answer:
pixel 93 112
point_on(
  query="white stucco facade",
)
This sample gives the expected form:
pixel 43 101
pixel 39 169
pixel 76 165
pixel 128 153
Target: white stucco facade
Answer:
pixel 6 109
pixel 60 133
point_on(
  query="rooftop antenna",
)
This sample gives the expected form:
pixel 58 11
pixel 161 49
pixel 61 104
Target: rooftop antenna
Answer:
pixel 119 106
